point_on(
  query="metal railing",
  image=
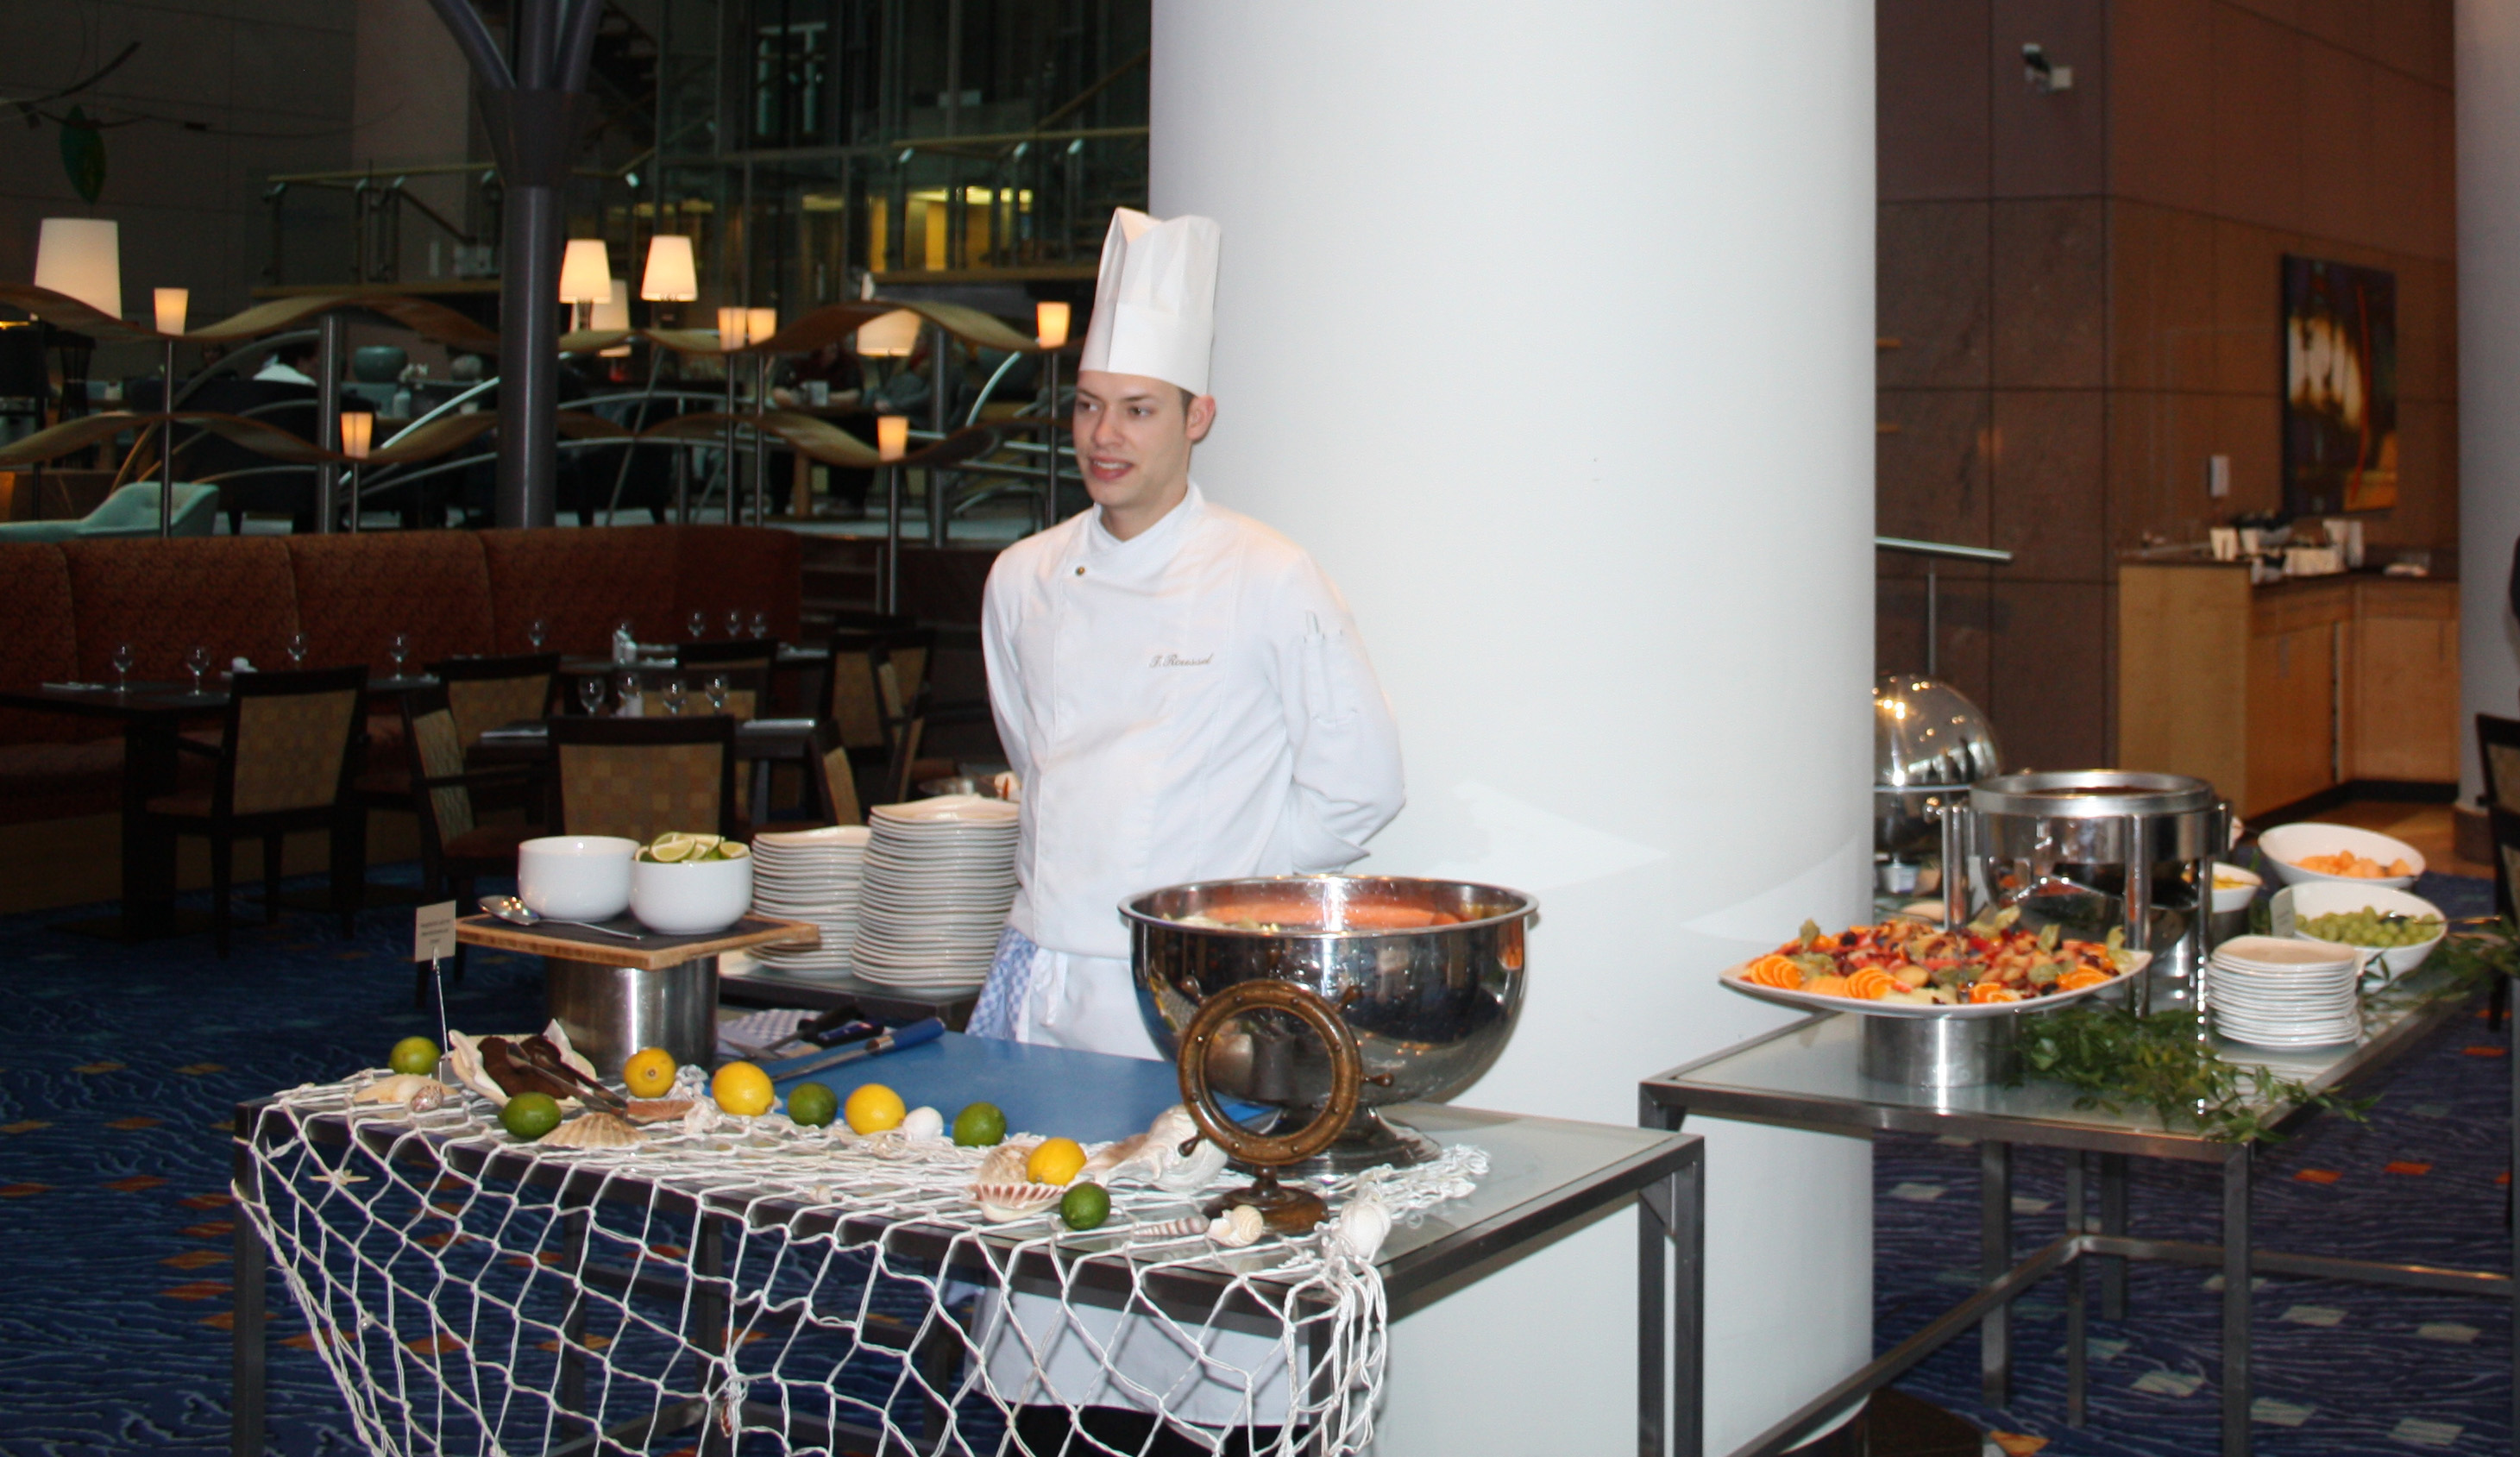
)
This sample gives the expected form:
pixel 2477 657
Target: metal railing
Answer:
pixel 1934 554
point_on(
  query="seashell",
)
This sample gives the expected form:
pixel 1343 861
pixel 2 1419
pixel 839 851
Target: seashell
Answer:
pixel 659 1110
pixel 1006 1164
pixel 597 1130
pixel 1144 1155
pixel 1174 1229
pixel 923 1123
pixel 1360 1229
pixel 1236 1227
pixel 409 1090
pixel 1196 1172
pixel 1001 1201
pixel 464 1058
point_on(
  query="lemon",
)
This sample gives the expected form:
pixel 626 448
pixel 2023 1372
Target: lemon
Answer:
pixel 874 1107
pixel 1055 1161
pixel 649 1073
pixel 414 1055
pixel 811 1105
pixel 743 1089
pixel 530 1114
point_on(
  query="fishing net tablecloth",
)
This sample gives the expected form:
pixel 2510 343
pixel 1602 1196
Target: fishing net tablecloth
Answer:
pixel 748 1285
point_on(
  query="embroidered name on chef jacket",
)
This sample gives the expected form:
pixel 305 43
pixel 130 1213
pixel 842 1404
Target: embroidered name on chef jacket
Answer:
pixel 1175 660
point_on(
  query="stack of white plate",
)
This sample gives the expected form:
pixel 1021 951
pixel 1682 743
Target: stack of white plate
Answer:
pixel 940 876
pixel 810 875
pixel 2269 992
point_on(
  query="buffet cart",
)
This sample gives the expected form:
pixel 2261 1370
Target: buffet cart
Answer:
pixel 1806 1075
pixel 689 1280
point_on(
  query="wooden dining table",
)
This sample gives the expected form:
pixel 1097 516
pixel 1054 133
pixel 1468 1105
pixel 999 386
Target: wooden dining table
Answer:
pixel 152 716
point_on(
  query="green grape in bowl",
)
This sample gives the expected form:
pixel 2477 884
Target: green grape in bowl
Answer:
pixel 2373 928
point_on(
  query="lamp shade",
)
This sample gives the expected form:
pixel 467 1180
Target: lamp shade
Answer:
pixel 614 312
pixel 172 305
pixel 890 335
pixel 671 276
pixel 891 436
pixel 585 272
pixel 1050 324
pixel 730 327
pixel 759 324
pixel 82 257
pixel 358 428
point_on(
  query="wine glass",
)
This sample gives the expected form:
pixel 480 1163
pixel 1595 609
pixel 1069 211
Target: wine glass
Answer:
pixel 674 695
pixel 122 661
pixel 717 693
pixel 398 649
pixel 698 624
pixel 296 647
pixel 197 659
pixel 627 686
pixel 735 621
pixel 760 625
pixel 589 692
pixel 535 631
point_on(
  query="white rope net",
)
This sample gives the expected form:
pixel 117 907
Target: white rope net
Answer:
pixel 471 1293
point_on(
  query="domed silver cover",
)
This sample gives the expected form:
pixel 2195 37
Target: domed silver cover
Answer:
pixel 1926 732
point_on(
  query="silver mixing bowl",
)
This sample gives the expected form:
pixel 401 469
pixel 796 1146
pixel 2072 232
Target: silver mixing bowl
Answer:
pixel 1431 1006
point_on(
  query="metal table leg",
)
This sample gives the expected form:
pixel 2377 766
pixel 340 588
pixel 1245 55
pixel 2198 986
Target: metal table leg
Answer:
pixel 2076 1312
pixel 572 1321
pixel 2511 1206
pixel 1670 1214
pixel 250 1354
pixel 1995 1258
pixel 2235 1302
pixel 2113 1220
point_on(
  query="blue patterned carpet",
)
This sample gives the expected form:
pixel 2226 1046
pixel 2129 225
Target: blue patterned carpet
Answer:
pixel 118 1068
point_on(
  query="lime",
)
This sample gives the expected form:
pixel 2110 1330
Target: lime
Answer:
pixel 649 1073
pixel 1055 1161
pixel 530 1114
pixel 730 851
pixel 980 1126
pixel 743 1089
pixel 1086 1207
pixel 414 1055
pixel 874 1107
pixel 812 1105
pixel 670 855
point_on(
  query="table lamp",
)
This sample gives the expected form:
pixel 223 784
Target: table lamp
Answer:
pixel 585 277
pixel 759 324
pixel 890 335
pixel 1050 324
pixel 82 257
pixel 730 327
pixel 671 276
pixel 613 313
pixel 891 437
pixel 358 428
pixel 172 306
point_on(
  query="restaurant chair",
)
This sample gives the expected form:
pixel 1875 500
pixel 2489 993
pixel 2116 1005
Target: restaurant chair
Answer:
pixel 283 763
pixel 641 777
pixel 492 692
pixel 834 780
pixel 876 702
pixel 738 652
pixel 2497 753
pixel 455 848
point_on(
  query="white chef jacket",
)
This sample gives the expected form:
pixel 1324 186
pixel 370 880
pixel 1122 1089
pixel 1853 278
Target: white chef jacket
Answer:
pixel 1190 704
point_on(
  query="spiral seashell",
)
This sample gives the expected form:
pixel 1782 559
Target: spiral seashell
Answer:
pixel 1196 1172
pixel 409 1090
pixel 1360 1229
pixel 1237 1226
pixel 1174 1229
pixel 597 1130
pixel 1002 1201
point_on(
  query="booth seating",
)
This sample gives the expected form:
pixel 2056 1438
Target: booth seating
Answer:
pixel 68 605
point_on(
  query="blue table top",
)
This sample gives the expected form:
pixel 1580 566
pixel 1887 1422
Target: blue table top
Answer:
pixel 1092 1097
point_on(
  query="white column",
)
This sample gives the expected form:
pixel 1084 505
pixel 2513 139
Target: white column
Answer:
pixel 1549 329
pixel 2488 82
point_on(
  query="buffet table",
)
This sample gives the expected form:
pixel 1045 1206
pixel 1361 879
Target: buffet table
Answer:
pixel 706 1268
pixel 1804 1076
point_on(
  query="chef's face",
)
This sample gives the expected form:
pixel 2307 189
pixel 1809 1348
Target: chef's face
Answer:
pixel 1133 438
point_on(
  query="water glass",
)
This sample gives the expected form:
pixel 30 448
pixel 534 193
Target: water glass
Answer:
pixel 674 695
pixel 398 649
pixel 734 621
pixel 535 631
pixel 626 689
pixel 197 659
pixel 296 646
pixel 717 694
pixel 590 693
pixel 760 625
pixel 122 661
pixel 698 624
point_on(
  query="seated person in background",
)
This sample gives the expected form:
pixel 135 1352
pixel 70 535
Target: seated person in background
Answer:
pixel 830 365
pixel 293 363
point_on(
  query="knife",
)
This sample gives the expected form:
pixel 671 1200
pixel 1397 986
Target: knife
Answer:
pixel 927 1030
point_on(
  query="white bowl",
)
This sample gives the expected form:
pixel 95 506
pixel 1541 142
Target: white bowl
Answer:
pixel 2239 897
pixel 575 877
pixel 2297 903
pixel 691 898
pixel 2287 844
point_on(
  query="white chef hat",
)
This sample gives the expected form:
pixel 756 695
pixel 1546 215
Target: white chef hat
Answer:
pixel 1154 306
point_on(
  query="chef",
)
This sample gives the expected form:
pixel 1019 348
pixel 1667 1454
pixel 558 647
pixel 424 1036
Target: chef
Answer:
pixel 1179 689
pixel 1184 696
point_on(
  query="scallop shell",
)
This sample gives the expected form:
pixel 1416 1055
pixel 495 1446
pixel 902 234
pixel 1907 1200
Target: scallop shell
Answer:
pixel 409 1090
pixel 659 1110
pixel 1237 1226
pixel 593 1131
pixel 1006 1164
pixel 1001 1201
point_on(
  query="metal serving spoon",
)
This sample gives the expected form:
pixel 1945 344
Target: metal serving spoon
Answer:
pixel 517 913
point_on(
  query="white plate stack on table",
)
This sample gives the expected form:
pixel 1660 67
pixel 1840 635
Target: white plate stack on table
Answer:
pixel 2270 991
pixel 940 875
pixel 810 875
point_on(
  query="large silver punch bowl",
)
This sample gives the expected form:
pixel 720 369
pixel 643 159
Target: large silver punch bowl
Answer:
pixel 1427 973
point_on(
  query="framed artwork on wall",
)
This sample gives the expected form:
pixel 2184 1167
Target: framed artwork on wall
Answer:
pixel 2340 418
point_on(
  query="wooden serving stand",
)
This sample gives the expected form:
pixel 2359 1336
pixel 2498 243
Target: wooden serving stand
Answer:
pixel 648 953
pixel 614 996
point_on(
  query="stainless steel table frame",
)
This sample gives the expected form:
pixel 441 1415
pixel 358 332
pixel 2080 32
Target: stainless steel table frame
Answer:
pixel 1545 1176
pixel 1804 1076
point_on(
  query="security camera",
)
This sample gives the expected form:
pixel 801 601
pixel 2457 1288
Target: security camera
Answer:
pixel 2043 76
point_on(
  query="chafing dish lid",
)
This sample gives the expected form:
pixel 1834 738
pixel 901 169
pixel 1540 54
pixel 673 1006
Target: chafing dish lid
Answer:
pixel 2091 793
pixel 1927 732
